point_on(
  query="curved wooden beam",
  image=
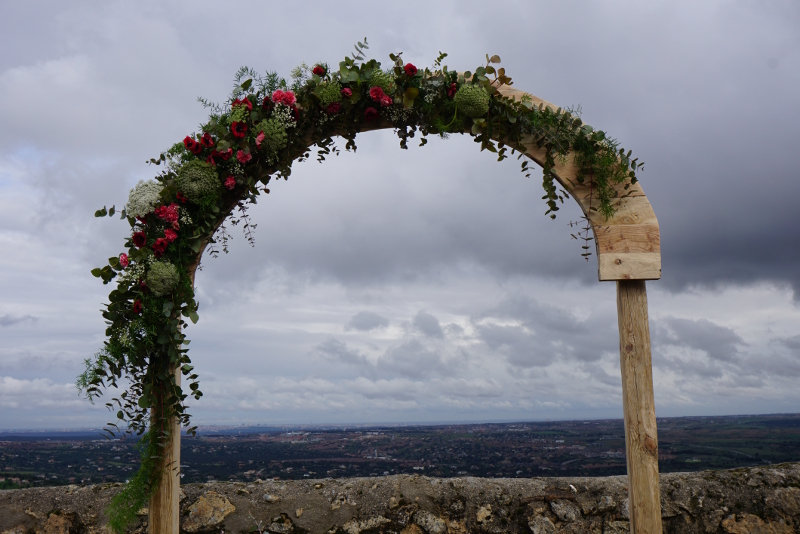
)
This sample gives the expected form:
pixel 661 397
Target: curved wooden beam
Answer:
pixel 628 245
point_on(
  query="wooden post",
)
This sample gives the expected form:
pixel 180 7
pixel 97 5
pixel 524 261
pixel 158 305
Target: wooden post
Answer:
pixel 641 441
pixel 164 508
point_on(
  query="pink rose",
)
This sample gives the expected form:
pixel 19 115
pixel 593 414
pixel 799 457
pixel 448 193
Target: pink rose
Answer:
pixel 284 97
pixel 243 157
pixel 386 100
pixel 123 260
pixel 376 93
pixel 230 182
pixel 347 92
pixel 260 139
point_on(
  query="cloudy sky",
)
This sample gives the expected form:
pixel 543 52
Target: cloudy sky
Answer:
pixel 419 285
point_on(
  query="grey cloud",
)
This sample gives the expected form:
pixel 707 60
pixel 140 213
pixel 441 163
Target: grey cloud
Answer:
pixel 10 320
pixel 338 351
pixel 546 333
pixel 428 325
pixel 792 343
pixel 719 342
pixel 365 321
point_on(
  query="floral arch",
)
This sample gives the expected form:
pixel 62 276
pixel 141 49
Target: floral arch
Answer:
pixel 268 123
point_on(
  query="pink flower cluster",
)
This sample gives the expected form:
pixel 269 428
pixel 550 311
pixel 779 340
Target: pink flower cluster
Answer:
pixel 377 94
pixel 284 97
pixel 168 214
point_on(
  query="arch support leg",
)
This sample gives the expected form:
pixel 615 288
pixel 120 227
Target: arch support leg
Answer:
pixel 641 440
pixel 163 512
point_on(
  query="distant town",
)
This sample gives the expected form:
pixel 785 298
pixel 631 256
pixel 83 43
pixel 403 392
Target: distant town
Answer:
pixel 532 449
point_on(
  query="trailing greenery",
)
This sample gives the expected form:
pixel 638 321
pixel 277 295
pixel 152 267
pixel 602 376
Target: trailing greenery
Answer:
pixel 125 505
pixel 208 180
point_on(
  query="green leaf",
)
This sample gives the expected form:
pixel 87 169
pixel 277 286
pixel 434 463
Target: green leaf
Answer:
pixel 144 401
pixel 494 59
pixel 246 84
pixel 96 272
pixel 101 213
pixel 194 317
pixel 111 211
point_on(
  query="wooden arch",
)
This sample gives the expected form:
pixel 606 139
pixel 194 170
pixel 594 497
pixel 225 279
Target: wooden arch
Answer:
pixel 628 251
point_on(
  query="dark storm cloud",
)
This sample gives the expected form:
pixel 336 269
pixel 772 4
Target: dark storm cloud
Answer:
pixel 365 321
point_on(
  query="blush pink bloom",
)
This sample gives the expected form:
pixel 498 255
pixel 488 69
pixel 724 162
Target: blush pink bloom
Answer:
pixel 259 139
pixel 230 182
pixel 284 97
pixel 123 260
pixel 347 92
pixel 386 100
pixel 243 157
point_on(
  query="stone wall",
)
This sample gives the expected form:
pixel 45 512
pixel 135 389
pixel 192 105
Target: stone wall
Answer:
pixel 755 500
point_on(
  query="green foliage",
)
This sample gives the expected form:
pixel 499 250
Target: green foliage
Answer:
pixel 383 79
pixel 472 100
pixel 197 180
pixel 123 508
pixel 330 92
pixel 162 277
pixel 275 136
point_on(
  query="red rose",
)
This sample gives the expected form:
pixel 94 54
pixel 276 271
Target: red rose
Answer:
pixel 319 70
pixel 192 146
pixel 225 156
pixel 182 199
pixel 170 235
pixel 347 92
pixel 410 69
pixel 371 114
pixel 123 260
pixel 139 239
pixel 210 159
pixel 160 246
pixel 334 108
pixel 451 91
pixel 137 306
pixel 230 182
pixel 238 129
pixel 206 140
pixel 267 103
pixel 376 93
pixel 386 100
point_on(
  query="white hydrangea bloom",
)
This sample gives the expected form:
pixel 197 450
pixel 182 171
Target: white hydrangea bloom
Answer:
pixel 143 198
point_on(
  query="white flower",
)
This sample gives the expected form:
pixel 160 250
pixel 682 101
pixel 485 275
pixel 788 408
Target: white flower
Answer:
pixel 143 198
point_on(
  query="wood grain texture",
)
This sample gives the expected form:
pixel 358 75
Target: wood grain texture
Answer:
pixel 628 245
pixel 641 438
pixel 164 507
